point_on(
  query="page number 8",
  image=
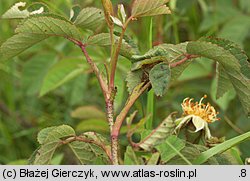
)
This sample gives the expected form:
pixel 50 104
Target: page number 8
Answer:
pixel 243 173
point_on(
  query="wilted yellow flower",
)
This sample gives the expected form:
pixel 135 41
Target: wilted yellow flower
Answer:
pixel 199 113
pixel 204 111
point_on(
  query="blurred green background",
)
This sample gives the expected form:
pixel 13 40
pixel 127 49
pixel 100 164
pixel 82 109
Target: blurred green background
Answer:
pixel 23 113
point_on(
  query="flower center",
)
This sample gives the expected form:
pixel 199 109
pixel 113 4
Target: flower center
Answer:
pixel 204 111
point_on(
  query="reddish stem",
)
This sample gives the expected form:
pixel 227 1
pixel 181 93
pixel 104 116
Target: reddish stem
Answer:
pixel 187 57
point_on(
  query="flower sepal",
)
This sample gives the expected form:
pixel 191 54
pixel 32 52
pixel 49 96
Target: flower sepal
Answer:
pixel 213 141
pixel 198 123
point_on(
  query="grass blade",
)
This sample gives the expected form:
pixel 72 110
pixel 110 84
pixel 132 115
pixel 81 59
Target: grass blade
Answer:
pixel 221 148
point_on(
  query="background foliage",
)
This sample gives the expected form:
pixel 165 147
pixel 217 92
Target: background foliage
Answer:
pixel 79 103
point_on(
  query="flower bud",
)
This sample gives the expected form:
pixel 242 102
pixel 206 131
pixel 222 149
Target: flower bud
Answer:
pixel 108 10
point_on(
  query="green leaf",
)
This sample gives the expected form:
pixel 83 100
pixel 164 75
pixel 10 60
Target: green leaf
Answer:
pixel 228 94
pixel 235 50
pixel 128 48
pixel 188 153
pixel 49 139
pixel 154 159
pixel 224 101
pixel 17 11
pixel 204 156
pixel 54 133
pixel 88 112
pixel 43 134
pixel 229 157
pixel 178 53
pixel 50 26
pixel 57 160
pixel 33 156
pixel 200 68
pixel 235 153
pixel 245 5
pixel 18 162
pixel 223 82
pixel 219 16
pixel 170 148
pixel 230 63
pixel 62 72
pixel 18 43
pixel 159 134
pixel 168 53
pixel 130 157
pixel 35 29
pixel 236 29
pixel 34 72
pixel 157 11
pixel 96 125
pixel 46 152
pixel 154 55
pixel 91 154
pixel 133 79
pixel 90 18
pixel 159 77
pixel 142 8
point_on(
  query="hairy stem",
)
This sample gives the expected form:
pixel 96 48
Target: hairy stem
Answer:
pixel 93 66
pixel 115 50
pixel 120 118
pixel 110 113
pixel 108 97
pixel 103 85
